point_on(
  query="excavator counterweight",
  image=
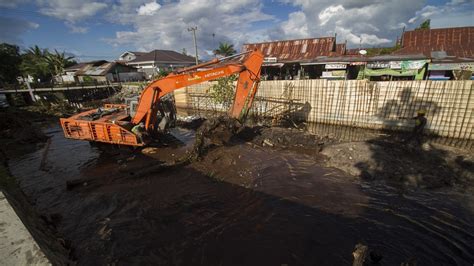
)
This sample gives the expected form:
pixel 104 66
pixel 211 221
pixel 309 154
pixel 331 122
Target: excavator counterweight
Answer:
pixel 114 123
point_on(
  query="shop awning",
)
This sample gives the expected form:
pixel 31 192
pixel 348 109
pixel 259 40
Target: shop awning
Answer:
pixel 451 66
pixel 390 72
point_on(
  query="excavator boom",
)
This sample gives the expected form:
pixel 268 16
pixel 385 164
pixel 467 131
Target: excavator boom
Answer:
pixel 114 126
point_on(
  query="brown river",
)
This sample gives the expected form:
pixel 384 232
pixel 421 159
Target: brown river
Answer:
pixel 239 205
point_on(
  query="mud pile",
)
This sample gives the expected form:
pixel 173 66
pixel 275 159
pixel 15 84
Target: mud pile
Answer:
pixel 284 138
pixel 127 91
pixel 429 166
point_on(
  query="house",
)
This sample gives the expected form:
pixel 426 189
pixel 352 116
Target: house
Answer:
pixel 428 53
pixel 101 71
pixel 153 62
pixel 294 59
pixel 451 51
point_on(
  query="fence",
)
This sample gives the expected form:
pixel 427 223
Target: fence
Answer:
pixel 358 103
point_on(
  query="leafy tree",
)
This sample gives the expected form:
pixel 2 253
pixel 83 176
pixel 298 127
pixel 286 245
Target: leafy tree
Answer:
pixel 223 91
pixel 11 60
pixel 34 63
pixel 225 49
pixel 58 61
pixel 425 25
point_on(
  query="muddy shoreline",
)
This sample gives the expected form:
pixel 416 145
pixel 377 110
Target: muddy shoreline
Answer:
pixel 262 199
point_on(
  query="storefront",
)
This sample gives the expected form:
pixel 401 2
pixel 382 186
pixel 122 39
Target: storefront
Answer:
pixel 451 71
pixel 334 71
pixel 394 70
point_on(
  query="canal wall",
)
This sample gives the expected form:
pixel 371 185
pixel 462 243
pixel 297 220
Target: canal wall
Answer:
pixel 356 103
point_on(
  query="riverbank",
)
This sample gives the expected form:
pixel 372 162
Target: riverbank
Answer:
pixel 428 166
pixel 267 191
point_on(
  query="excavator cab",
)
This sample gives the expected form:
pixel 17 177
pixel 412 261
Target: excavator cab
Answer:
pixel 155 110
pixel 132 104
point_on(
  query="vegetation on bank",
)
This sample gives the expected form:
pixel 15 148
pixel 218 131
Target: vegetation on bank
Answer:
pixel 41 64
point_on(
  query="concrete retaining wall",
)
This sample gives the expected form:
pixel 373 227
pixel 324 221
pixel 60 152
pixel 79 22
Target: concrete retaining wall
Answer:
pixel 358 103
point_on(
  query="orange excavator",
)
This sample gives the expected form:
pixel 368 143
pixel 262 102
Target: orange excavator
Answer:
pixel 123 123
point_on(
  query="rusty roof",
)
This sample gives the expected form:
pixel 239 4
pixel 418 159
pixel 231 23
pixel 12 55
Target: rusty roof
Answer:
pixel 165 56
pixel 298 50
pixel 458 42
pixel 99 69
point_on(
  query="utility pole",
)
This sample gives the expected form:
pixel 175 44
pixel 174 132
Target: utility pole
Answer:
pixel 193 29
pixel 214 44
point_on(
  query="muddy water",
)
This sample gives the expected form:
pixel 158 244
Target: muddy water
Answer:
pixel 240 205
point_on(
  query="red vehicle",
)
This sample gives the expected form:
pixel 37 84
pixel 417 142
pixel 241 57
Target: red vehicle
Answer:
pixel 113 123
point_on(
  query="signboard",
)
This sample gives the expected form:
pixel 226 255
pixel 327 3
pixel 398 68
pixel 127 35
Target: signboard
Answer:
pixel 409 64
pixel 396 64
pixel 329 74
pixel 451 66
pixel 378 64
pixel 269 60
pixel 413 64
pixel 336 66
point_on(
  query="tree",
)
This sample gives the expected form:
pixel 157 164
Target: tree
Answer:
pixel 58 61
pixel 223 91
pixel 34 63
pixel 225 49
pixel 11 60
pixel 424 25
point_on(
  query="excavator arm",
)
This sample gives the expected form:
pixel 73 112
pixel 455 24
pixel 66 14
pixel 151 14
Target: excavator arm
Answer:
pixel 247 84
pixel 112 124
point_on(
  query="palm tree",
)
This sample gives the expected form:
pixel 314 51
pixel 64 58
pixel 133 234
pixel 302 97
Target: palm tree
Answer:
pixel 34 63
pixel 225 49
pixel 58 61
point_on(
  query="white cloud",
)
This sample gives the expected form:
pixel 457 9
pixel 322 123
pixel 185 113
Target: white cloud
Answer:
pixel 377 22
pixel 76 29
pixel 329 13
pixel 148 9
pixel 231 21
pixel 364 39
pixel 296 26
pixel 70 10
pixel 455 13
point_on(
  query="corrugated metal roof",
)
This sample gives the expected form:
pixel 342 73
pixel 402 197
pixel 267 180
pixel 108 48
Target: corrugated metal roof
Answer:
pixel 84 64
pixel 98 70
pixel 457 42
pixel 297 50
pixel 166 56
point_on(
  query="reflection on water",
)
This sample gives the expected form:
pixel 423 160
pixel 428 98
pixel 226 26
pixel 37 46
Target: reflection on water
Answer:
pixel 262 207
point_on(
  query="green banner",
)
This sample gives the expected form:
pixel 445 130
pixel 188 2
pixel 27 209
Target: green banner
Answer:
pixel 419 74
pixel 390 72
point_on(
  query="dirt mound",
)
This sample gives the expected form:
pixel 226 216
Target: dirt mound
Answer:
pixel 284 138
pixel 430 166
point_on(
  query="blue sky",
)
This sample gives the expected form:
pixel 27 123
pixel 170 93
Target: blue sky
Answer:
pixel 92 29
